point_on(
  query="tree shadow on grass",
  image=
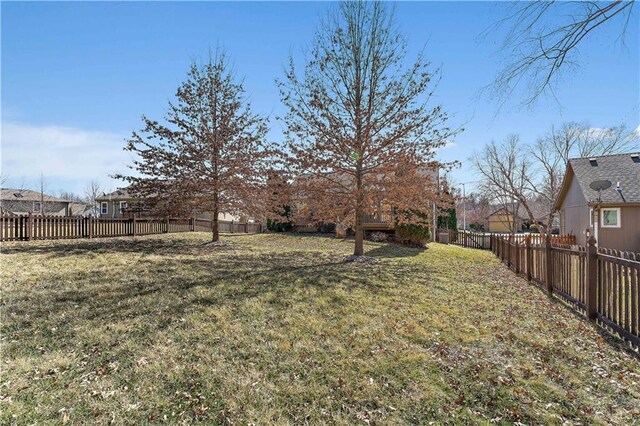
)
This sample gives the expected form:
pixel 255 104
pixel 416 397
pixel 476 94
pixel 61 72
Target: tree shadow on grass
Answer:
pixel 165 287
pixel 144 245
pixel 394 250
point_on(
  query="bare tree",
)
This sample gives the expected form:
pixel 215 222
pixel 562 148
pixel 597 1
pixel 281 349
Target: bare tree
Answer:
pixel 210 156
pixel 360 128
pixel 479 208
pixel 42 189
pixel 543 39
pixel 505 177
pixel 552 151
pixel 70 196
pixel 92 191
pixel 530 176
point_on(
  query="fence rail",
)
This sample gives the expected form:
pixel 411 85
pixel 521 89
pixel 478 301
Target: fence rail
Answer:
pixel 601 283
pixel 37 227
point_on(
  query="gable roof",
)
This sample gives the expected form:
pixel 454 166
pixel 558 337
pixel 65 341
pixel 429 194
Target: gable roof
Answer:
pixel 620 168
pixel 122 193
pixel 12 194
pixel 540 212
pixel 80 208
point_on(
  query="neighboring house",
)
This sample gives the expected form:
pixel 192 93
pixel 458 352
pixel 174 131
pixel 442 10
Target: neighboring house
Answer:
pixel 83 209
pixel 118 203
pixel 25 201
pixel 122 203
pixel 505 220
pixel 612 215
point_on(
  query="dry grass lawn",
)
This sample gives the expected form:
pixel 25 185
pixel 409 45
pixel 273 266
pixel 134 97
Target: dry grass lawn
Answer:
pixel 276 329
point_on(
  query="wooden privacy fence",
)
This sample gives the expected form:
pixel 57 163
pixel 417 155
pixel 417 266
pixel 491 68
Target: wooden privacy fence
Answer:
pixel 603 284
pixel 36 227
pixel 483 240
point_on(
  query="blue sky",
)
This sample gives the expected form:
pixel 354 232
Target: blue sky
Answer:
pixel 76 77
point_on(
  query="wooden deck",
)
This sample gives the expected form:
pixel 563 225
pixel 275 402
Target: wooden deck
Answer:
pixel 377 223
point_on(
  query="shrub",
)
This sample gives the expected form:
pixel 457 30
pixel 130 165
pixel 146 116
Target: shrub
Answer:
pixel 276 226
pixel 415 235
pixel 327 228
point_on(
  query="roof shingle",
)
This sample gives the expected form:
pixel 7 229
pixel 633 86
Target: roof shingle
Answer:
pixel 620 168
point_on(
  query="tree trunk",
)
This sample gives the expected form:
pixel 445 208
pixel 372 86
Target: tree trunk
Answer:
pixel 359 248
pixel 215 232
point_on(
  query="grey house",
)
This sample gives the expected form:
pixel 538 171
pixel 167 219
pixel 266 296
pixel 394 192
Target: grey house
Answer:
pixel 25 201
pixel 612 215
pixel 123 203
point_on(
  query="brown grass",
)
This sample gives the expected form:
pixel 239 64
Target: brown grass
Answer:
pixel 277 329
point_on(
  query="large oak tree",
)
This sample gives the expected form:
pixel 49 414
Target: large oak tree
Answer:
pixel 361 129
pixel 209 155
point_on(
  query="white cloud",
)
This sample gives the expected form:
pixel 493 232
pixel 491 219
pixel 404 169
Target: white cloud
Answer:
pixel 597 132
pixel 62 154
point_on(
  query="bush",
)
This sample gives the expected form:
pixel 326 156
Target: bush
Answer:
pixel 415 235
pixel 276 226
pixel 327 228
pixel 378 237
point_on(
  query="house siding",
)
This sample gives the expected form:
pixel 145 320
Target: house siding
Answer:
pixel 575 214
pixel 627 237
pixel 113 210
pixel 113 207
pixel 22 207
pixel 501 222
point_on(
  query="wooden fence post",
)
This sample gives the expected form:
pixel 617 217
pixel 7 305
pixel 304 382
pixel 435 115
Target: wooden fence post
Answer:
pixel 549 262
pixel 166 225
pixel 516 249
pixel 30 227
pixel 90 225
pixel 504 250
pixel 592 278
pixel 133 225
pixel 529 257
pixel 193 224
pixel 509 251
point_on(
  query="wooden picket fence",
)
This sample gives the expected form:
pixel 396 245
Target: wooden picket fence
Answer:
pixel 482 240
pixel 38 227
pixel 601 283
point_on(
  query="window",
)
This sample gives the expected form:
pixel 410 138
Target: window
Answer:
pixel 123 205
pixel 37 207
pixel 104 207
pixel 591 218
pixel 610 218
